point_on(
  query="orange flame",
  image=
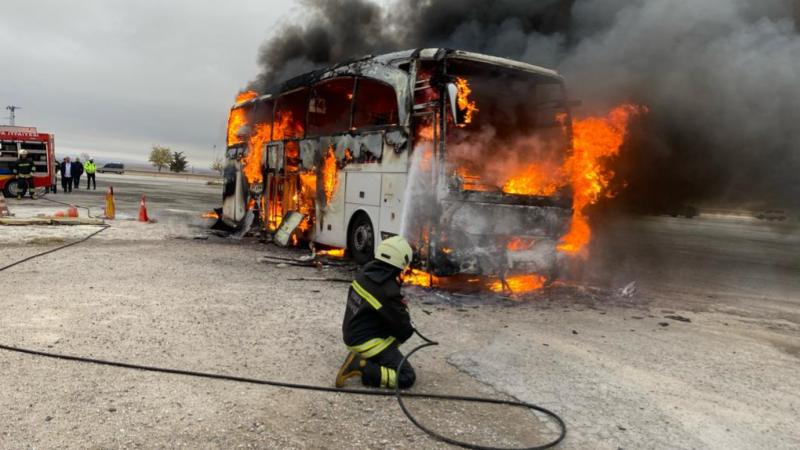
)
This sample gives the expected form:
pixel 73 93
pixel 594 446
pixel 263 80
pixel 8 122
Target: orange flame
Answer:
pixel 467 106
pixel 519 284
pixel 595 138
pixel 419 278
pixel 518 244
pixel 286 126
pixel 252 161
pixel 245 96
pixel 333 253
pixel 237 118
pixel 330 176
pixel 535 179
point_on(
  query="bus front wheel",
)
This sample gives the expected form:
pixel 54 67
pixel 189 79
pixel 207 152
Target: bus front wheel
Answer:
pixel 361 239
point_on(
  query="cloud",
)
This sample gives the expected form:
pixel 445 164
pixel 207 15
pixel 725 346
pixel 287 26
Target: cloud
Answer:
pixel 117 76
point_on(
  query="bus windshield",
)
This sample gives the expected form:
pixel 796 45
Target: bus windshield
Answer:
pixel 513 130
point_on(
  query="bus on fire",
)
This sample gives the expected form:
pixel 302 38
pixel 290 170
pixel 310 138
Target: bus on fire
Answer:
pixel 456 151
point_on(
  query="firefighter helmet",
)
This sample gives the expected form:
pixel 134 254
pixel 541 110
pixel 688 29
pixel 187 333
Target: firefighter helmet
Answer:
pixel 395 251
pixel 23 153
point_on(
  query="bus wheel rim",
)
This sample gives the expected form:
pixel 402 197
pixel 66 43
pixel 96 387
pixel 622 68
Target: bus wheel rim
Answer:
pixel 361 237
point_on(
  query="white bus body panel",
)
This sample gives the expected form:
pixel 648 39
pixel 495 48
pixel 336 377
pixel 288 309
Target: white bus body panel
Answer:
pixel 331 227
pixel 393 187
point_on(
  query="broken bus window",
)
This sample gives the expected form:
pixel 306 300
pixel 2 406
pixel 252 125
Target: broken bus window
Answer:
pixel 290 115
pixel 330 106
pixel 376 104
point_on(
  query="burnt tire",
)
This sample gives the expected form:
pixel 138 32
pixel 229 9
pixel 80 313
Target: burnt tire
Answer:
pixel 12 189
pixel 361 239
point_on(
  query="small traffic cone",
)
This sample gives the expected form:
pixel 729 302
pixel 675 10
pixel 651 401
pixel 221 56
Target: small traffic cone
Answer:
pixel 110 208
pixel 4 212
pixel 143 211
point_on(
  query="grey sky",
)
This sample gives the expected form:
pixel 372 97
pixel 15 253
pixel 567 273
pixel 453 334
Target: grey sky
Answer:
pixel 113 77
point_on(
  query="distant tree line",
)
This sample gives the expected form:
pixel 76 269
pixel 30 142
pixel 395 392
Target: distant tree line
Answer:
pixel 161 157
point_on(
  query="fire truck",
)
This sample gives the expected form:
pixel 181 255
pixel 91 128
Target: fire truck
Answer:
pixel 40 148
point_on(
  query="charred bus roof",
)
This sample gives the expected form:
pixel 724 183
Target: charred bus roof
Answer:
pixel 389 68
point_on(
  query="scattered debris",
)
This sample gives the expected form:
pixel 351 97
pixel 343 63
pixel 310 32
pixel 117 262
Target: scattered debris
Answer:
pixel 335 280
pixel 628 290
pixel 290 222
pixel 51 221
pixel 663 324
pixel 678 318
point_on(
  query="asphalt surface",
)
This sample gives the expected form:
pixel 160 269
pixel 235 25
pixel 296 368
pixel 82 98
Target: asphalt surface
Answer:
pixel 166 195
pixel 699 350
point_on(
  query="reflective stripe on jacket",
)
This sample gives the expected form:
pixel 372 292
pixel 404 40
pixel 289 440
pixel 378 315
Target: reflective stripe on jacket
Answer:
pixel 24 168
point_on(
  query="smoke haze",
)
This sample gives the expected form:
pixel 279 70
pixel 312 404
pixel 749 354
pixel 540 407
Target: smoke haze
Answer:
pixel 720 78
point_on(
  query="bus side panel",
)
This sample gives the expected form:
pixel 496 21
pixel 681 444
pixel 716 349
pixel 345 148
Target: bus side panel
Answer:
pixel 393 188
pixel 331 228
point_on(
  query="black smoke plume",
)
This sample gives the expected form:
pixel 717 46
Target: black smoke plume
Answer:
pixel 721 78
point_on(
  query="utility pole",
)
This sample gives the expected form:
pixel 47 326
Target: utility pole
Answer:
pixel 12 117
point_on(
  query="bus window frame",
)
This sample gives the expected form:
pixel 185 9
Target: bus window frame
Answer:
pixel 312 88
pixel 277 106
pixel 396 125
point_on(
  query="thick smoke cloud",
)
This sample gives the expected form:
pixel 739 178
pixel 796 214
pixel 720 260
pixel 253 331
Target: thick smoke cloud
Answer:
pixel 721 78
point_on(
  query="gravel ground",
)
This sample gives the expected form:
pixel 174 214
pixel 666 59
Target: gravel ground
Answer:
pixel 704 353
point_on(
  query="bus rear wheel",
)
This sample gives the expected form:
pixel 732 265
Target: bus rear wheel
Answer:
pixel 12 189
pixel 361 239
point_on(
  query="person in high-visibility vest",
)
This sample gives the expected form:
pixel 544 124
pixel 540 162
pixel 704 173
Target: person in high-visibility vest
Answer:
pixel 90 170
pixel 24 170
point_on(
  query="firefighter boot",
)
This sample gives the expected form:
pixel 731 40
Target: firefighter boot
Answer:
pixel 351 368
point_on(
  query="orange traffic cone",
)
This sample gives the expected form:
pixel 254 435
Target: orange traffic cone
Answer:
pixel 143 211
pixel 3 206
pixel 110 208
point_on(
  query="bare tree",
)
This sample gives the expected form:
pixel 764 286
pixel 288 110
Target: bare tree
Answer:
pixel 160 157
pixel 218 165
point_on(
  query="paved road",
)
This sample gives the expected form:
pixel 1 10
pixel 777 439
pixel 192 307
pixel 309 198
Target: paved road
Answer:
pixel 704 353
pixel 166 195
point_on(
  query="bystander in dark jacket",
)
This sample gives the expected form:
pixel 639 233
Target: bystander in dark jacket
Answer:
pixel 77 171
pixel 67 169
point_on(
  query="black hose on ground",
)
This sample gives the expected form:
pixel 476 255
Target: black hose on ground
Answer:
pixel 88 210
pixel 61 247
pixel 397 393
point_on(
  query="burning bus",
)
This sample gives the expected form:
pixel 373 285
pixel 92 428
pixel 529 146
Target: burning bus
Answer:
pixel 461 153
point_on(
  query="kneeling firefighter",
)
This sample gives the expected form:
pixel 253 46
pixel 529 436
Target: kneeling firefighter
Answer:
pixel 376 320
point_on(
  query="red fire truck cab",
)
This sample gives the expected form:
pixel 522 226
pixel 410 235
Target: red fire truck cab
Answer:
pixel 39 147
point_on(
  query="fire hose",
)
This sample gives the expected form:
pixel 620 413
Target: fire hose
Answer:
pixel 397 393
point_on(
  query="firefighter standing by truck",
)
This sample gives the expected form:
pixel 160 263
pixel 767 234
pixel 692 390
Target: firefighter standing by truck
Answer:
pixel 376 320
pixel 24 170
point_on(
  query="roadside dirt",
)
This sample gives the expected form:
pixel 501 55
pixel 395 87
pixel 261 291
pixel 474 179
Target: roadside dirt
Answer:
pixel 622 371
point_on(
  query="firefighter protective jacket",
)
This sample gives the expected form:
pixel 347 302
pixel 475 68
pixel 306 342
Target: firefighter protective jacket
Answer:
pixel 24 168
pixel 376 316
